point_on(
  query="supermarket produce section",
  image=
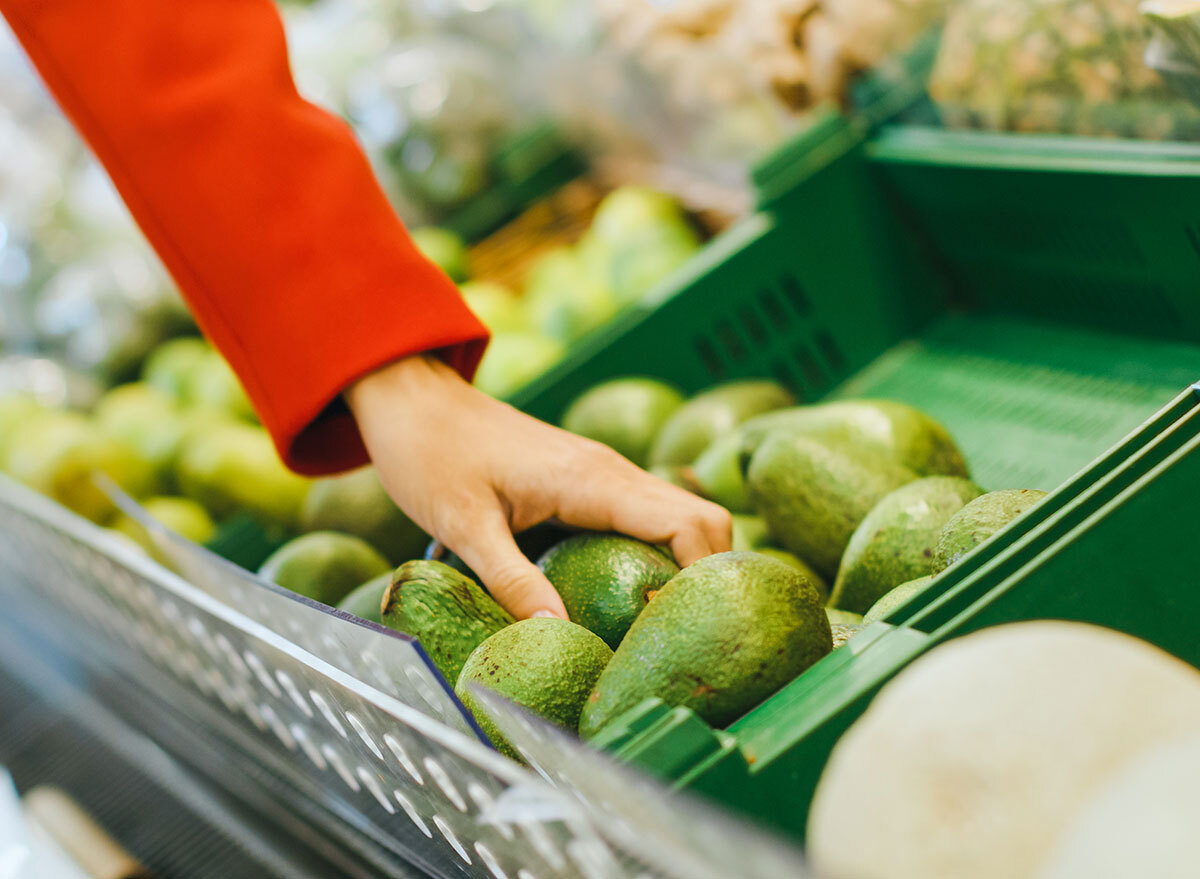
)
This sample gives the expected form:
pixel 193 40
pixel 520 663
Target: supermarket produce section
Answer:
pixel 912 297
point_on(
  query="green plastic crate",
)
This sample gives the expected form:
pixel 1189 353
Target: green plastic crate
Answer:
pixel 1036 295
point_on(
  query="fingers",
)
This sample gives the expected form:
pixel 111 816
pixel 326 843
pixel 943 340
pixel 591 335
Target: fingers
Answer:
pixel 617 496
pixel 485 542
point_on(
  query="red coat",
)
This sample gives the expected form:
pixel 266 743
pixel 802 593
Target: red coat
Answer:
pixel 261 205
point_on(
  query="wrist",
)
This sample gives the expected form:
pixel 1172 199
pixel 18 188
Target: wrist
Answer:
pixel 411 380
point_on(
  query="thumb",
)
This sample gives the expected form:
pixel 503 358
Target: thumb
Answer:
pixel 515 582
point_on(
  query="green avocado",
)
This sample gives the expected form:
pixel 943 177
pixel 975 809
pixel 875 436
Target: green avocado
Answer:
pixel 546 665
pixel 677 475
pixel 718 472
pixel 697 424
pixel 891 429
pixel 749 532
pixel 842 617
pixel 979 520
pixel 721 636
pixel 357 503
pixel 896 597
pixel 446 611
pixel 366 601
pixel 624 414
pixel 606 579
pixel 324 565
pixel 813 495
pixel 843 632
pixel 894 543
pixel 799 564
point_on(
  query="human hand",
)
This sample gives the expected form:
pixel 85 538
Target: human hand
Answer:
pixel 472 471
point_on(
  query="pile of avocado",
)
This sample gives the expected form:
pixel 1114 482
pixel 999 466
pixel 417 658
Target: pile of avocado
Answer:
pixel 841 510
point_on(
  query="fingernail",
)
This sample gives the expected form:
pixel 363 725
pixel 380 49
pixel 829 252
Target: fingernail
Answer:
pixel 545 613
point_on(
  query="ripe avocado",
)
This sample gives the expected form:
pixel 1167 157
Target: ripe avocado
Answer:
pixel 894 543
pixel 357 503
pixel 366 601
pixel 604 580
pixel 979 520
pixel 698 423
pixel 445 610
pixel 624 414
pixel 721 636
pixel 813 495
pixel 800 565
pixel 895 598
pixel 546 665
pixel 895 430
pixel 324 565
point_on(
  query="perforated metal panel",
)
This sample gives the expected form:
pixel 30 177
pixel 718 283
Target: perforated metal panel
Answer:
pixel 431 792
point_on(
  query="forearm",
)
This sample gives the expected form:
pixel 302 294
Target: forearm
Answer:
pixel 261 205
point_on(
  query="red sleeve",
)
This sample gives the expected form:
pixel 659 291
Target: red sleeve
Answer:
pixel 262 206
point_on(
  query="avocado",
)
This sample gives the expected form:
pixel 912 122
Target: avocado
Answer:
pixel 606 579
pixel 324 565
pixel 843 632
pixel 533 542
pixel 698 423
pixel 896 597
pixel 894 543
pixel 813 495
pixel 749 532
pixel 721 636
pixel 446 611
pixel 718 472
pixel 799 564
pixel 678 475
pixel 546 665
pixel 842 617
pixel 979 520
pixel 624 414
pixel 357 503
pixel 366 601
pixel 892 429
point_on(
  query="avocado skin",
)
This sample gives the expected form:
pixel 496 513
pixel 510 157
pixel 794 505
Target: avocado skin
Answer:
pixel 889 428
pixel 813 495
pixel 979 520
pixel 624 414
pixel 896 597
pixel 546 665
pixel 324 565
pixel 719 638
pixel 697 424
pixel 895 542
pixel 790 558
pixel 366 600
pixel 718 473
pixel 843 632
pixel 443 609
pixel 357 503
pixel 603 580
